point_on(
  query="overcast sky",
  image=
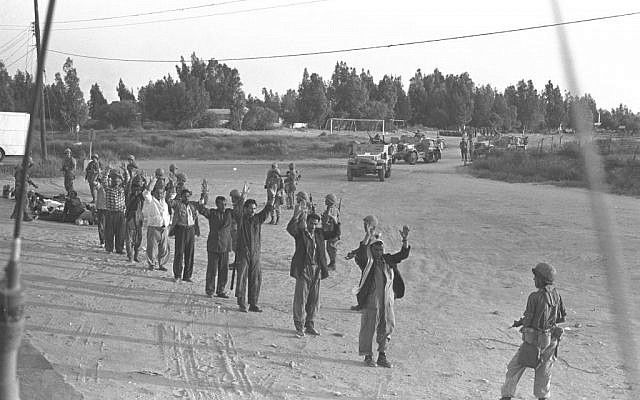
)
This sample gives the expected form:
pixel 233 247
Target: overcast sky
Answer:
pixel 604 52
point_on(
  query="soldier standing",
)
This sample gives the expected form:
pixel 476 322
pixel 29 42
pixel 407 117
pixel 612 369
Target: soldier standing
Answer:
pixel 540 335
pixel 331 218
pixel 290 184
pixel 26 213
pixel 376 293
pixel 248 266
pixel 92 172
pixel 463 150
pixel 308 266
pixel 69 170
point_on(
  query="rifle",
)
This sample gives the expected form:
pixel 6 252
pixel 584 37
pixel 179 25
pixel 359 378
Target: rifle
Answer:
pixel 233 274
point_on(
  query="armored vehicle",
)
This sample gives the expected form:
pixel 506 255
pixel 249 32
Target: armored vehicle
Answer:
pixel 369 159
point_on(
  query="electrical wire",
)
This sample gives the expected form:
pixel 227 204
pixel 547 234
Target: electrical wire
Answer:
pixel 364 48
pixel 151 12
pixel 21 46
pixel 20 58
pixel 12 41
pixel 194 16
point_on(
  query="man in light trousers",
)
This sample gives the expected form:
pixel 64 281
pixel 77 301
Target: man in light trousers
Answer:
pixel 156 214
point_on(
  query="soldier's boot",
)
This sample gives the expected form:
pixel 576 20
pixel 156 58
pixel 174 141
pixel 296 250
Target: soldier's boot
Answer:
pixel 382 360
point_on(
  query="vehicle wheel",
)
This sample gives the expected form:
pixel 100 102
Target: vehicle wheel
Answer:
pixel 381 173
pixel 349 174
pixel 388 172
pixel 412 158
pixel 1 154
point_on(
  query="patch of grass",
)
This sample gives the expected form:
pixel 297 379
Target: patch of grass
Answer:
pixel 564 167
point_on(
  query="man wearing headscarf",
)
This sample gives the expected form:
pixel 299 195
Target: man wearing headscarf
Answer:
pixel 248 268
pixel 290 184
pixel 380 284
pixel 68 170
pixel 91 174
pixel 26 212
pixel 331 218
pixel 308 266
pixel 540 335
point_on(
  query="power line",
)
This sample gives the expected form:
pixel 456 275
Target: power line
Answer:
pixel 364 48
pixel 20 58
pixel 12 41
pixel 18 48
pixel 151 12
pixel 194 16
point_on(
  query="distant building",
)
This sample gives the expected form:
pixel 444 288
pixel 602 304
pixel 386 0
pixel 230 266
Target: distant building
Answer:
pixel 222 115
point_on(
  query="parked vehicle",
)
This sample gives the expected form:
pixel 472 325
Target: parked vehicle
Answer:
pixel 369 159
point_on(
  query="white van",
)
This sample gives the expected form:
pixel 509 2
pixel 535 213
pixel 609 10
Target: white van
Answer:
pixel 13 133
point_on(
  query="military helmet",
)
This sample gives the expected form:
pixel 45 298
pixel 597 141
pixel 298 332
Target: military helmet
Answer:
pixel 292 166
pixel 331 199
pixel 159 172
pixel 545 271
pixel 181 176
pixel 302 196
pixel 235 193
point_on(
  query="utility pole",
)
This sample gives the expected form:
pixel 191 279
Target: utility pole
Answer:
pixel 36 30
pixel 12 302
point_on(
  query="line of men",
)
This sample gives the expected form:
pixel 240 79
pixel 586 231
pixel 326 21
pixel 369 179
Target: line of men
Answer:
pixel 239 229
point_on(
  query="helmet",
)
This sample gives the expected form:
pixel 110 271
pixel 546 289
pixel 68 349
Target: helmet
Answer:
pixel 545 271
pixel 159 172
pixel 292 166
pixel 172 167
pixel 181 177
pixel 330 199
pixel 371 220
pixel 302 196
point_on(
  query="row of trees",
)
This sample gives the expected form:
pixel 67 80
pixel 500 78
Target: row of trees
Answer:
pixel 435 100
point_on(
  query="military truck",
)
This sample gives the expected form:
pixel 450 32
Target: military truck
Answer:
pixel 412 149
pixel 369 159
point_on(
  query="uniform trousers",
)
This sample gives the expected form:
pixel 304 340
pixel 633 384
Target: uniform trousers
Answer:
pixel 542 379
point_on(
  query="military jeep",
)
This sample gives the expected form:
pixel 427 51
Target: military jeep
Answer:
pixel 369 159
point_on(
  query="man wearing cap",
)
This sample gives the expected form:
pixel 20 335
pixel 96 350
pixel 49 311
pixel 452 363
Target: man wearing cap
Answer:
pixel 331 218
pixel 68 170
pixel 114 222
pixel 218 246
pixel 308 265
pixel 540 335
pixel 380 284
pixel 91 174
pixel 249 271
pixel 290 184
pixel 26 213
pixel 133 214
pixel 156 214
pixel 186 228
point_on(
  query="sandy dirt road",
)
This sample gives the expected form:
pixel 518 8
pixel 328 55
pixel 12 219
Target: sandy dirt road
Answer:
pixel 117 331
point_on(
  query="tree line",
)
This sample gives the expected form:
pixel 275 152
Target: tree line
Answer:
pixel 434 99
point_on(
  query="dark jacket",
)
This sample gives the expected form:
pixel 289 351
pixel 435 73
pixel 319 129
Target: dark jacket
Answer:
pixel 392 260
pixel 180 214
pixel 304 246
pixel 219 240
pixel 250 229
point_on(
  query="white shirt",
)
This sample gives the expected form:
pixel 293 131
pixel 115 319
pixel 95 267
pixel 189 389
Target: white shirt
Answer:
pixel 156 212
